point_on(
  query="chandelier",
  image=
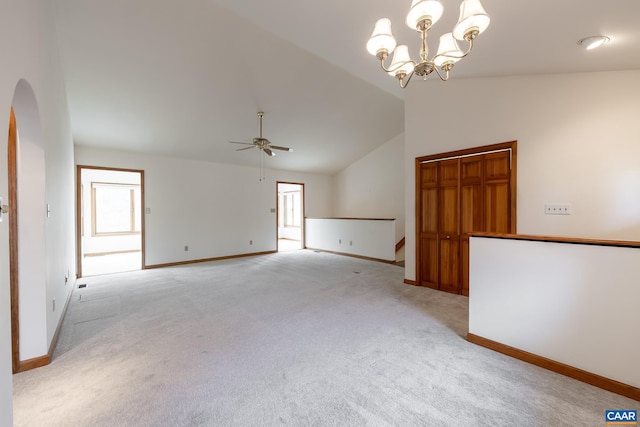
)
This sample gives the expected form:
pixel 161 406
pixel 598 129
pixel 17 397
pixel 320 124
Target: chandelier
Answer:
pixel 422 15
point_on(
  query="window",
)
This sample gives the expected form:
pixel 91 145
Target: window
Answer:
pixel 290 209
pixel 114 208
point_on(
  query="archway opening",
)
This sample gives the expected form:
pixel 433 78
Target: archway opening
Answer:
pixel 27 216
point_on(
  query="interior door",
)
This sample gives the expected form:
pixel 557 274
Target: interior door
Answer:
pixel 471 209
pixel 449 231
pixel 428 232
pixel 460 193
pixel 497 200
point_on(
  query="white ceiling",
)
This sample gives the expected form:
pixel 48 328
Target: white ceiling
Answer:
pixel 183 77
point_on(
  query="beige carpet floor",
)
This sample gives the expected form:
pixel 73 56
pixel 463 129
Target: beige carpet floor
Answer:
pixel 295 338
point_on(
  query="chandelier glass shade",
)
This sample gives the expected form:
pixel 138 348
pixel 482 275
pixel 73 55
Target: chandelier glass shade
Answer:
pixel 473 21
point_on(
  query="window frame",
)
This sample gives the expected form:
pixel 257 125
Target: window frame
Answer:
pixel 133 188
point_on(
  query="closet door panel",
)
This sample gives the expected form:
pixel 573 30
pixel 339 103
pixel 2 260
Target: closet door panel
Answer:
pixel 449 230
pixel 429 225
pixel 429 263
pixel 471 210
pixel 497 201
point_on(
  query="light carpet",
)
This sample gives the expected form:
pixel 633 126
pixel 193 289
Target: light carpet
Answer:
pixel 295 338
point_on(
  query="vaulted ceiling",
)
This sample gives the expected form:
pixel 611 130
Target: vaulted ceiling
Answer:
pixel 183 77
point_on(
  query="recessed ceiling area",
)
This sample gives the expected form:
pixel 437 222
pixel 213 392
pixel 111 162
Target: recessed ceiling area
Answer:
pixel 182 79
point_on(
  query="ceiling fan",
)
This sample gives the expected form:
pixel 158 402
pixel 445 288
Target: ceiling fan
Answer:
pixel 261 143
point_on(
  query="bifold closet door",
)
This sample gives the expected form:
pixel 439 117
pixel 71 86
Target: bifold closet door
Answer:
pixel 485 203
pixel 428 231
pixel 471 209
pixel 449 225
pixel 459 193
pixel 460 196
pixel 497 192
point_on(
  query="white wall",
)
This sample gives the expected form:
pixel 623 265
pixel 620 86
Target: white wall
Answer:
pixel 373 187
pixel 578 143
pixel 571 303
pixel 369 238
pixel 215 209
pixel 29 52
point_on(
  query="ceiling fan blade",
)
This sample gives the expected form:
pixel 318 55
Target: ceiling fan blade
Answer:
pixel 244 143
pixel 277 147
pixel 268 152
pixel 245 148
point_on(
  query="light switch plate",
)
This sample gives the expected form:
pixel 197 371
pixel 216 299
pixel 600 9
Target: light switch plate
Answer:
pixel 557 209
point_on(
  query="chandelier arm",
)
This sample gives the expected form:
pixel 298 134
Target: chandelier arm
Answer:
pixel 402 86
pixel 392 70
pixel 446 76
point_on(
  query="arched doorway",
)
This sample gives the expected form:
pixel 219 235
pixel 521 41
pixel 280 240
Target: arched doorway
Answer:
pixel 26 177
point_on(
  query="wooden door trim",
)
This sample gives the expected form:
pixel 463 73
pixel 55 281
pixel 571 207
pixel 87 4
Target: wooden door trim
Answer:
pixel 12 170
pixel 79 212
pixel 510 145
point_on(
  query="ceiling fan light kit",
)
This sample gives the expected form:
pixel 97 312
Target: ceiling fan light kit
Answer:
pixel 472 22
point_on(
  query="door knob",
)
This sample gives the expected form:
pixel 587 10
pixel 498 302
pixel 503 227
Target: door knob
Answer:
pixel 448 237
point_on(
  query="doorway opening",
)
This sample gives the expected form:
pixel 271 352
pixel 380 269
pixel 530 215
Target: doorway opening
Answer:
pixel 110 226
pixel 290 235
pixel 27 230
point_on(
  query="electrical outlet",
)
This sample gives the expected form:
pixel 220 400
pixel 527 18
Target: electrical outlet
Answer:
pixel 350 243
pixel 557 209
pixel 339 241
pixel 251 242
pixel 186 248
pixel 147 210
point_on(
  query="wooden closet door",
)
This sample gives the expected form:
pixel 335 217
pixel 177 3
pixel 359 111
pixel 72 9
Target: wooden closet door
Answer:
pixel 458 193
pixel 449 230
pixel 497 192
pixel 471 209
pixel 428 232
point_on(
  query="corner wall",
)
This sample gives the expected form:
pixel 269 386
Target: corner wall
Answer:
pixel 214 209
pixel 578 143
pixel 373 187
pixel 573 303
pixel 29 52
